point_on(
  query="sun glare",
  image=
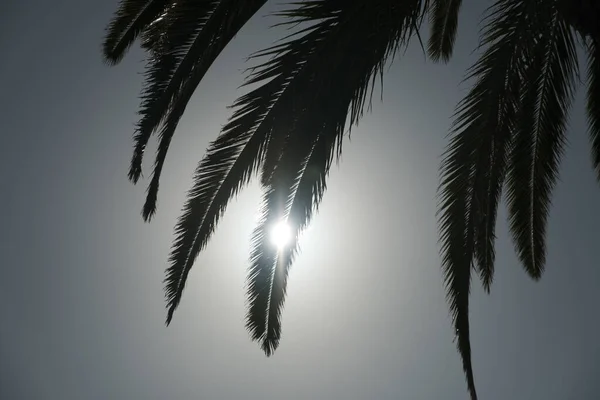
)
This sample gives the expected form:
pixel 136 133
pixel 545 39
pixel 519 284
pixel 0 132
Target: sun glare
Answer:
pixel 281 234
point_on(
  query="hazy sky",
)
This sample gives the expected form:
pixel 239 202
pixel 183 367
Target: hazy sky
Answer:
pixel 81 300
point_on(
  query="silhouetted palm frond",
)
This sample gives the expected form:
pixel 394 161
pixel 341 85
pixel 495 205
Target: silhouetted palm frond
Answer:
pixel 312 82
pixel 444 21
pixel 593 101
pixel 232 158
pixel 334 82
pixel 511 125
pixel 298 184
pixel 548 87
pixel 476 160
pixel 130 20
pixel 171 38
pixel 197 32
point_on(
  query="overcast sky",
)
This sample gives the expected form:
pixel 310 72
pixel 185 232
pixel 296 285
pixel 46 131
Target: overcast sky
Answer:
pixel 81 299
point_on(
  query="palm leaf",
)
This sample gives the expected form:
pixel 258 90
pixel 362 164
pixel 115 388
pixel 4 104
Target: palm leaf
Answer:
pixel 474 165
pixel 176 32
pixel 227 166
pixel 237 153
pixel 130 20
pixel 167 97
pixel 333 87
pixel 540 135
pixel 291 197
pixel 294 190
pixel 444 21
pixel 410 14
pixel 154 37
pixel 593 101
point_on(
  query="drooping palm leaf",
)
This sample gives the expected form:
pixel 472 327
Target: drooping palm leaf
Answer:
pixel 540 134
pixel 154 38
pixel 227 166
pixel 174 33
pixel 236 154
pixel 215 33
pixel 291 198
pixel 410 13
pixel 444 22
pixel 593 101
pixel 336 84
pixel 130 20
pixel 474 165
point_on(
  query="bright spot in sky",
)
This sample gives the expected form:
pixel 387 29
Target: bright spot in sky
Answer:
pixel 281 234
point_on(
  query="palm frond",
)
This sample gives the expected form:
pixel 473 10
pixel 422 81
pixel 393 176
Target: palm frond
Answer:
pixel 236 154
pixel 444 21
pixel 154 37
pixel 176 31
pixel 296 189
pixel 593 101
pixel 540 134
pixel 410 15
pixel 332 90
pixel 130 20
pixel 293 193
pixel 176 75
pixel 474 165
pixel 227 166
pixel 488 196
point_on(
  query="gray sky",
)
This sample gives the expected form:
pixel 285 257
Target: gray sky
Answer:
pixel 81 275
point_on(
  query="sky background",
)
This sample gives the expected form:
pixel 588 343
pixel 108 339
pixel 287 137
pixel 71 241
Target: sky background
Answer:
pixel 81 298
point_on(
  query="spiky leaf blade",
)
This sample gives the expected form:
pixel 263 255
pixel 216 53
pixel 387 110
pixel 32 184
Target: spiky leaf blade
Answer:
pixel 474 165
pixel 444 23
pixel 593 101
pixel 540 135
pixel 220 27
pixel 130 20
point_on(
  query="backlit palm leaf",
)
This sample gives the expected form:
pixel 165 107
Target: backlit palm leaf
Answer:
pixel 228 165
pixel 362 35
pixel 540 134
pixel 174 33
pixel 167 97
pixel 475 162
pixel 237 153
pixel 291 198
pixel 130 20
pixel 444 21
pixel 593 101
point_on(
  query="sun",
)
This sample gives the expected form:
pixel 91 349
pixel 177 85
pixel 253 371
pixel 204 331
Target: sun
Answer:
pixel 281 234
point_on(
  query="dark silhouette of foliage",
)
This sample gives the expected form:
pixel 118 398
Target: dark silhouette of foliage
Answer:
pixel 312 87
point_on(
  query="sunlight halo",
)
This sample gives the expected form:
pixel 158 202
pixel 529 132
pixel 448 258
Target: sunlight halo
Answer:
pixel 281 235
